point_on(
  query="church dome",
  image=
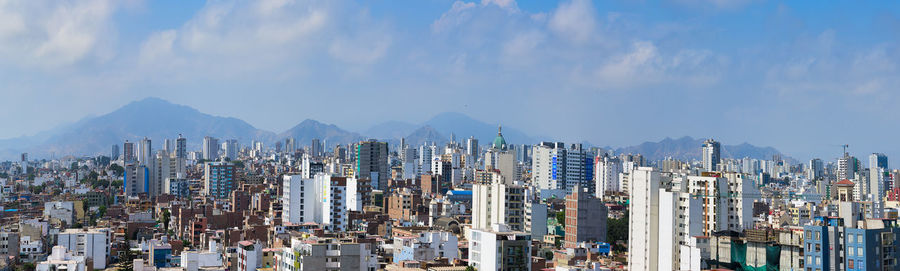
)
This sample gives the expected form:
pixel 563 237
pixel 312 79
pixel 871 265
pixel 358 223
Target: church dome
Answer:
pixel 499 141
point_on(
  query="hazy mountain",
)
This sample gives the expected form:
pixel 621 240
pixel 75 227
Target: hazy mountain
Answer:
pixel 426 134
pixel 445 124
pixel 308 129
pixel 390 130
pixel 154 118
pixel 463 126
pixel 688 148
pixel 158 119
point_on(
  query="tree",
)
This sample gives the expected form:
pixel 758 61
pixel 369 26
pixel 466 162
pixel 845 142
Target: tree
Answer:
pixel 166 216
pixel 470 268
pixel 116 169
pixel 238 163
pixel 101 211
pixel 127 262
pixel 617 231
pixel 561 218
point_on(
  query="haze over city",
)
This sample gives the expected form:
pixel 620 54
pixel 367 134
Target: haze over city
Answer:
pixel 803 78
pixel 449 135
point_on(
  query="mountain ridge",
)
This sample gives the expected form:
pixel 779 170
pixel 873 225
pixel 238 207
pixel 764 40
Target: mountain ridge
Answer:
pixel 159 119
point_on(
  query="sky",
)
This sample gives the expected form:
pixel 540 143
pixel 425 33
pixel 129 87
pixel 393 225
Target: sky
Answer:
pixel 804 77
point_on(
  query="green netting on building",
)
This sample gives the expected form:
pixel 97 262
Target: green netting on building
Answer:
pixel 739 259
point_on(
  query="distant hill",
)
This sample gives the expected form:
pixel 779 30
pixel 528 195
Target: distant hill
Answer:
pixel 426 134
pixel 445 124
pixel 391 130
pixel 688 148
pixel 154 118
pixel 308 129
pixel 158 119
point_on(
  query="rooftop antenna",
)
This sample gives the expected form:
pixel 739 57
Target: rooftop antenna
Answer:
pixel 845 148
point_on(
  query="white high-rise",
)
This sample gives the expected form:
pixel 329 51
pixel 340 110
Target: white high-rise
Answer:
pixel 606 175
pixel 498 203
pixel 231 149
pixel 145 151
pixel 711 155
pixel 323 200
pixel 662 224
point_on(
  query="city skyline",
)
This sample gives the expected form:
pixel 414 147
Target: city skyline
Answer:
pixel 800 78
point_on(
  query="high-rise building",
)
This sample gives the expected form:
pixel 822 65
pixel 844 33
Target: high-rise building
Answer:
pixel 847 167
pixel 220 178
pixel 114 153
pixel 136 179
pixel 662 224
pixel 830 244
pixel 556 167
pixel 606 175
pixel 878 160
pixel 90 243
pixel 327 254
pixel 815 170
pixel 323 200
pixel 128 148
pixel 250 255
pixel 585 218
pixel 232 148
pixel 181 147
pixel 499 249
pixel 498 203
pixel 168 146
pixel 145 151
pixel 472 147
pixel 426 158
pixel 316 148
pixel 290 145
pixel 162 168
pixel 210 148
pixel 409 163
pixel 372 163
pixel 711 152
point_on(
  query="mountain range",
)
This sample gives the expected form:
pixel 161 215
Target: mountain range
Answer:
pixel 688 149
pixel 158 119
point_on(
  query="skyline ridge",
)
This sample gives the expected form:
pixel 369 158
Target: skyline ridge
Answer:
pixel 308 128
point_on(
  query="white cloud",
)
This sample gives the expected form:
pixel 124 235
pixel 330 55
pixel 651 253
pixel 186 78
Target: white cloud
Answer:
pixel 574 20
pixel 645 65
pixel 53 33
pixel 715 4
pixel 455 16
pixel 158 47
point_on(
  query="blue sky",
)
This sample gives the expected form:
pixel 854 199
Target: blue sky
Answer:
pixel 804 77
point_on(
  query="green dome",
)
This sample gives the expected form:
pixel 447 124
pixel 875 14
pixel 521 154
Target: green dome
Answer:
pixel 499 141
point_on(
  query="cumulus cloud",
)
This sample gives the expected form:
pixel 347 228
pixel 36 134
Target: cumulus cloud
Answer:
pixel 53 33
pixel 574 20
pixel 645 65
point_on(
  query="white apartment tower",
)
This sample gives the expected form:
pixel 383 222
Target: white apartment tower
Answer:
pixel 498 203
pixel 322 199
pixel 711 155
pixel 606 175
